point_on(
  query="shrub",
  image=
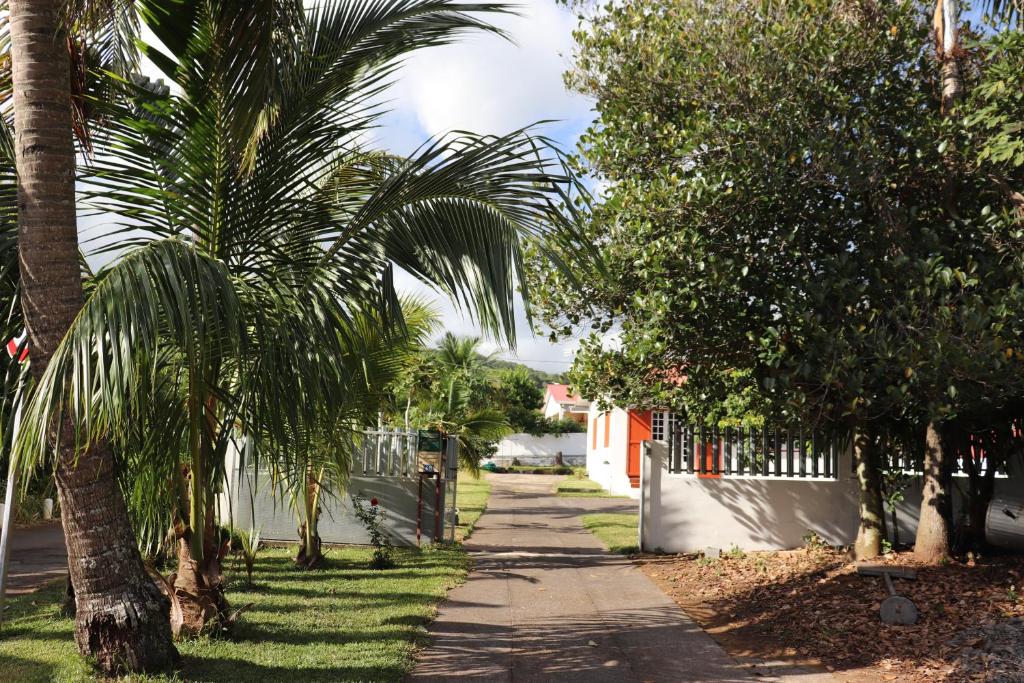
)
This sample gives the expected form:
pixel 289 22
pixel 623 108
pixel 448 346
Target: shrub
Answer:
pixel 372 517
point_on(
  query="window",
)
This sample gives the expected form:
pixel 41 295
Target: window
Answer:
pixel 593 430
pixel 662 425
pixel 607 428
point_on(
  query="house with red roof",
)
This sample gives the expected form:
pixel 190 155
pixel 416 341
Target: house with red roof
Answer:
pixel 561 404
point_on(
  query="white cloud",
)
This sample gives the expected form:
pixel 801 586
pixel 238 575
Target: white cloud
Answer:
pixel 487 84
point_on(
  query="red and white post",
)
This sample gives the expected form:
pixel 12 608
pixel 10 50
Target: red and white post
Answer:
pixel 12 474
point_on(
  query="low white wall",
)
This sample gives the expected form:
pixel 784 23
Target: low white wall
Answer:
pixel 607 466
pixel 684 513
pixel 541 450
pixel 908 512
pixel 251 501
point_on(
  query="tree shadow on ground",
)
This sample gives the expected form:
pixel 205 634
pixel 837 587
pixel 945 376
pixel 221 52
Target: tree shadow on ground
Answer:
pixel 823 611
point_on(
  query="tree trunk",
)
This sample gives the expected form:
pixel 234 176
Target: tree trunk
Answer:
pixel 310 552
pixel 932 544
pixel 121 615
pixel 981 486
pixel 871 531
pixel 198 587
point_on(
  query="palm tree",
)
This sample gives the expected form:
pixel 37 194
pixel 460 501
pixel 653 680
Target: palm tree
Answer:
pixel 321 463
pixel 121 617
pixel 256 227
pixel 460 390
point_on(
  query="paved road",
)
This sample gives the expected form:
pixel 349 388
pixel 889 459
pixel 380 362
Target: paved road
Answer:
pixel 38 555
pixel 545 602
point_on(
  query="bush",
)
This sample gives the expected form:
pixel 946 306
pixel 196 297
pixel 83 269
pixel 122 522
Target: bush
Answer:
pixel 372 518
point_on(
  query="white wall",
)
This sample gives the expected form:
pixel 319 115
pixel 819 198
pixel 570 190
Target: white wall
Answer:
pixel 251 501
pixel 684 513
pixel 541 450
pixel 607 466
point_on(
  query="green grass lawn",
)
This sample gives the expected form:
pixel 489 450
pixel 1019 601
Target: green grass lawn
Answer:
pixel 582 488
pixel 340 623
pixel 616 530
pixel 471 498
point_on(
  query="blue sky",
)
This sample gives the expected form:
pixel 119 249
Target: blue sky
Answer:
pixel 489 85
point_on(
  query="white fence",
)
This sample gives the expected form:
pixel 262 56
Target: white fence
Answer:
pixel 541 450
pixel 415 489
pixel 684 512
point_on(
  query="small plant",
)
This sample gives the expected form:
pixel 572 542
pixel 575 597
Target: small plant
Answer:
pixel 736 552
pixel 249 545
pixel 761 565
pixel 372 518
pixel 706 561
pixel 886 547
pixel 1013 595
pixel 813 542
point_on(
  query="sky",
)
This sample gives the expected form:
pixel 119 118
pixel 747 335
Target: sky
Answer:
pixel 487 84
pixel 484 84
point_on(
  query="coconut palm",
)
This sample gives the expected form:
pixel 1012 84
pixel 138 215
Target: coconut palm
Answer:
pixel 121 619
pixel 255 228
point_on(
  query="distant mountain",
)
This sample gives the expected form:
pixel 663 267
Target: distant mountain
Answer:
pixel 543 378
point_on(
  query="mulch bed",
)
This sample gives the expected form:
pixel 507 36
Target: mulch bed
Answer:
pixel 810 606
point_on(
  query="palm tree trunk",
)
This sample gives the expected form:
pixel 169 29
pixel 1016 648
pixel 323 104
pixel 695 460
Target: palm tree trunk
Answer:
pixel 199 582
pixel 121 616
pixel 310 554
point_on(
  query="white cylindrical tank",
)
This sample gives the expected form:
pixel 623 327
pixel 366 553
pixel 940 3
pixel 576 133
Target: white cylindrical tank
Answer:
pixel 1004 524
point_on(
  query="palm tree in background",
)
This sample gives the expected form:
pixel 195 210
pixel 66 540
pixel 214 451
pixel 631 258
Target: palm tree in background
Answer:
pixel 257 230
pixel 461 401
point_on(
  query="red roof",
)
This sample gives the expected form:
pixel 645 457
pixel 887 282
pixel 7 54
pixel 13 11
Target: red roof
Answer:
pixel 560 392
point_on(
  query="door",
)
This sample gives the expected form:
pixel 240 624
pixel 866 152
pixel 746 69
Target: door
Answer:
pixel 639 430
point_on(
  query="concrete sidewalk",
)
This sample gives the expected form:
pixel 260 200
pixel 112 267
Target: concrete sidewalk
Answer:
pixel 545 602
pixel 38 555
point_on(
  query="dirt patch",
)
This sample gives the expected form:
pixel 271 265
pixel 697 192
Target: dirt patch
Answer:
pixel 810 607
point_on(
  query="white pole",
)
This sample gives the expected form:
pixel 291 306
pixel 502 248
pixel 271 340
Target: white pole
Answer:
pixel 12 484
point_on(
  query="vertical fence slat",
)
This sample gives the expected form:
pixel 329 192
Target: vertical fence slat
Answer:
pixel 814 453
pixel 689 449
pixel 803 452
pixel 716 450
pixel 764 451
pixel 728 450
pixel 742 454
pixel 828 456
pixel 791 469
pixel 702 460
pixel 777 439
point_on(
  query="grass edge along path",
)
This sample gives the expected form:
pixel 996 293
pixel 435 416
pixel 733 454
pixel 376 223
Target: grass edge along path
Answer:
pixel 617 531
pixel 344 622
pixel 582 488
pixel 471 496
